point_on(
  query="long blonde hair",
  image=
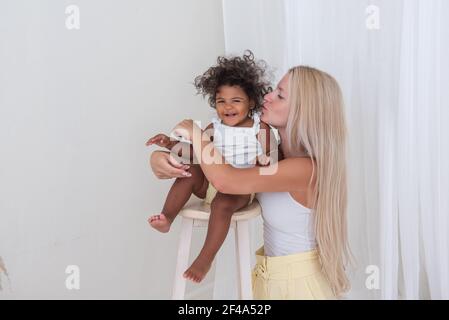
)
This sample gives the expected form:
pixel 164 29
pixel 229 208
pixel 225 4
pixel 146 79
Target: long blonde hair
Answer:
pixel 316 124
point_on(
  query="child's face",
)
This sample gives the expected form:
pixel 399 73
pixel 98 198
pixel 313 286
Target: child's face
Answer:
pixel 232 105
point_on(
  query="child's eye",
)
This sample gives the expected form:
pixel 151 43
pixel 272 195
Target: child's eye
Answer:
pixel 279 96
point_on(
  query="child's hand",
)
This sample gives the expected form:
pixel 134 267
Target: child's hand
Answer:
pixel 161 140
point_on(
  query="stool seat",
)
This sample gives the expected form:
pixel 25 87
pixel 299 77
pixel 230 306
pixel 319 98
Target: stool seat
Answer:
pixel 199 210
pixel 196 214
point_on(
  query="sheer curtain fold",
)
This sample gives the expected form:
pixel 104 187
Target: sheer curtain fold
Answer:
pixel 395 85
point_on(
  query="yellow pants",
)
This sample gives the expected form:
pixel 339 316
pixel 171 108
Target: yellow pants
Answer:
pixel 211 192
pixel 292 277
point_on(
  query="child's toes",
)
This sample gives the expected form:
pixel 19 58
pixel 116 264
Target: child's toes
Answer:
pixel 160 223
pixel 187 275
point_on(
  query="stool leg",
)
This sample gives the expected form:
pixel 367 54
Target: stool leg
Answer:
pixel 182 261
pixel 242 244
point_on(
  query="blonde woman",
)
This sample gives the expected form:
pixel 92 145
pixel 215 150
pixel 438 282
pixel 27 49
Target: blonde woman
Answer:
pixel 303 200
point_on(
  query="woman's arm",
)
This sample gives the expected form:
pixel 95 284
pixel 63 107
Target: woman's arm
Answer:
pixel 287 175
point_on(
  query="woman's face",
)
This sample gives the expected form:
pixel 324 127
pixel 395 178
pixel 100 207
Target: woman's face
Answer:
pixel 276 105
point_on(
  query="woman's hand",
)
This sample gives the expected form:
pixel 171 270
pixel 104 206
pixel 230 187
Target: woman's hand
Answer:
pixel 164 166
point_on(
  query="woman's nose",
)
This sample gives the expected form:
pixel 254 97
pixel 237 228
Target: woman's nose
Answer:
pixel 267 97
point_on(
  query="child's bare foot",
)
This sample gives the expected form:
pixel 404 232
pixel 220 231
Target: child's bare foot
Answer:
pixel 160 222
pixel 198 270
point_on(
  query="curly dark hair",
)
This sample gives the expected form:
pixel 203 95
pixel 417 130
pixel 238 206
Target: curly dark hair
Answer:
pixel 247 73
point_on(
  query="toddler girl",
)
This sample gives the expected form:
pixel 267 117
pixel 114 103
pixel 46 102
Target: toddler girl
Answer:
pixel 235 87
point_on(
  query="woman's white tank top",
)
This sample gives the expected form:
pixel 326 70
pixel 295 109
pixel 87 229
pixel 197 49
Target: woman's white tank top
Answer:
pixel 287 225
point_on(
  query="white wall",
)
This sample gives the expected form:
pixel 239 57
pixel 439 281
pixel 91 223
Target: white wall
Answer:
pixel 76 107
pixel 263 32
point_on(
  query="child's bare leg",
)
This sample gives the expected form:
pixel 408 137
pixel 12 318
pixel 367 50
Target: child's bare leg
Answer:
pixel 178 196
pixel 222 208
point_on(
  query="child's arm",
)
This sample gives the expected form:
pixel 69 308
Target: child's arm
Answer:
pixel 164 141
pixel 269 145
pixel 210 130
pixel 161 140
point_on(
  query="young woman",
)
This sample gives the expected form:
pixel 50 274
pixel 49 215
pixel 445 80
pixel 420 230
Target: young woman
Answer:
pixel 303 200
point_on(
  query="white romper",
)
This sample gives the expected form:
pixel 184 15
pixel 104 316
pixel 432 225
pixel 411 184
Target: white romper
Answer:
pixel 238 145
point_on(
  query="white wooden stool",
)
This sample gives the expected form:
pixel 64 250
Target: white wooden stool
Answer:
pixel 197 214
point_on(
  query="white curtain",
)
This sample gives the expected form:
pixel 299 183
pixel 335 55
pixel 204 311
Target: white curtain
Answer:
pixel 387 56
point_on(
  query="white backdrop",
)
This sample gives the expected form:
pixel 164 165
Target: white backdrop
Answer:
pixel 387 57
pixel 76 108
